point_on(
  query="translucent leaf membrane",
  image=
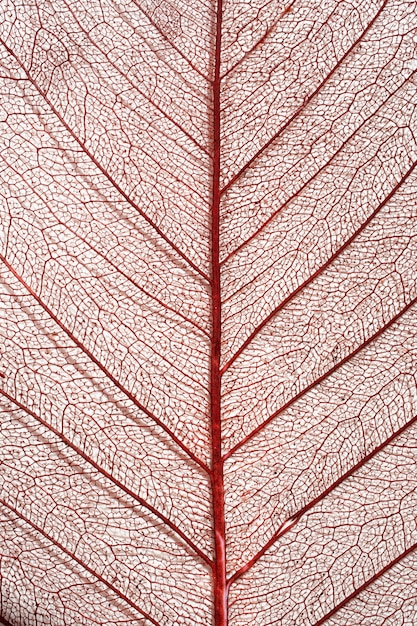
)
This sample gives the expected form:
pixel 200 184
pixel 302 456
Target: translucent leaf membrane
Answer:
pixel 208 244
pixel 390 600
pixel 335 183
pixel 280 59
pixel 42 585
pixel 349 300
pixel 82 512
pixel 126 129
pixel 310 445
pixel 95 264
pixel 355 531
pixel 54 382
pixel 367 81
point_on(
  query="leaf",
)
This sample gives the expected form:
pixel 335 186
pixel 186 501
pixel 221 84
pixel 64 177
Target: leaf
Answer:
pixel 208 310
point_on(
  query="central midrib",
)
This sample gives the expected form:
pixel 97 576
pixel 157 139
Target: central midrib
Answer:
pixel 217 482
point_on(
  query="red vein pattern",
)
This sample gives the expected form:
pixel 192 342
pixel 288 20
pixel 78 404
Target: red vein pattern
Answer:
pixel 208 301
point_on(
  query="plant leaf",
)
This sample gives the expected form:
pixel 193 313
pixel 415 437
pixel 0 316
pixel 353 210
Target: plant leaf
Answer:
pixel 208 311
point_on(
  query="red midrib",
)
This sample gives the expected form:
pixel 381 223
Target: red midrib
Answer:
pixel 219 572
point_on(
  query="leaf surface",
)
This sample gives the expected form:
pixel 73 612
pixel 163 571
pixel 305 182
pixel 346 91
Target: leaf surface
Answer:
pixel 208 313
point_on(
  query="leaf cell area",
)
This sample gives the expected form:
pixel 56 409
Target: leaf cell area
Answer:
pixel 208 316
